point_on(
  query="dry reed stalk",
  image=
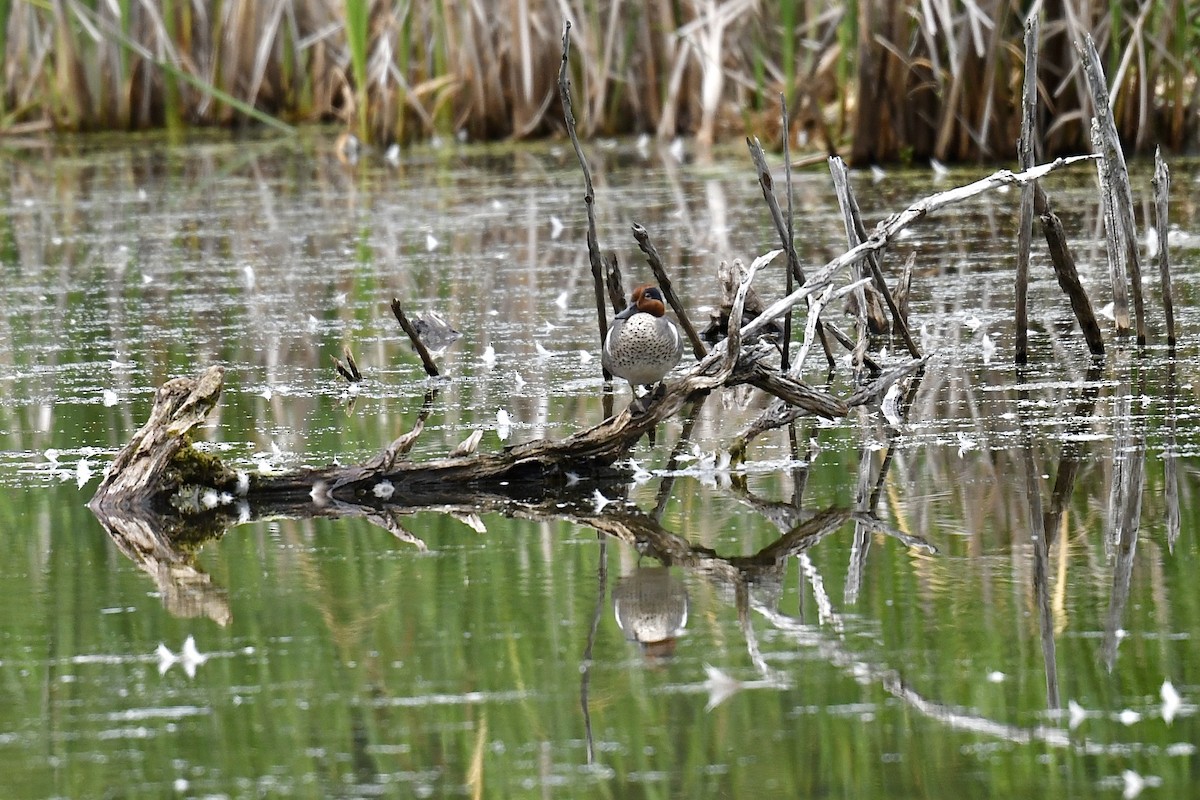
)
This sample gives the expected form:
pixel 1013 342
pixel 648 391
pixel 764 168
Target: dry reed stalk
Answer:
pixel 1025 157
pixel 1119 191
pixel 1162 187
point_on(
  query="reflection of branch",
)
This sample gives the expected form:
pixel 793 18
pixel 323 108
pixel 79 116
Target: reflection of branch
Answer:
pixel 585 665
pixel 1041 547
pixel 1125 511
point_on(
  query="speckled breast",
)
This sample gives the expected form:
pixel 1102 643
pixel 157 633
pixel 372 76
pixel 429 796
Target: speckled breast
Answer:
pixel 642 349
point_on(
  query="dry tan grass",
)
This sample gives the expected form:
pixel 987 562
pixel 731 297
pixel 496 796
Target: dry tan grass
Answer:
pixel 909 80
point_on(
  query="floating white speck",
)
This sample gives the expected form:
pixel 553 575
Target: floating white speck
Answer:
pixel 1151 242
pixel 518 381
pixel 339 299
pixel 109 398
pixel 989 349
pixel 51 455
pixel 266 394
pixel 431 242
pixel 392 154
pixel 243 483
pixel 181 785
pixel 643 144
pixel 1109 311
pixel 1171 701
pixel 720 685
pixel 165 658
pixel 1134 784
pixel 210 498
pixel 599 501
pixel 556 227
pixel 146 279
pixel 940 170
pixel 891 405
pixel 489 357
pixel 563 299
pixel 141 195
pixel 319 494
pixel 313 324
pixel 190 657
pixel 248 273
pixel 503 425
pixel 965 444
pixel 548 326
pixel 1129 717
pixel 1076 715
pixel 572 478
pixel 972 323
pixel 541 351
pixel 83 472
pixel 877 173
pixel 640 474
pixel 677 149
pixel 584 357
pixel 996 676
pixel 384 489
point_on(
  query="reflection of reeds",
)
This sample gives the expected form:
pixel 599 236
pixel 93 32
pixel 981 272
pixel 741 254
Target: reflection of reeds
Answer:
pixel 911 79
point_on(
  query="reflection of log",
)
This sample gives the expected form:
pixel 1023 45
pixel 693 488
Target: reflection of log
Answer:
pixel 152 542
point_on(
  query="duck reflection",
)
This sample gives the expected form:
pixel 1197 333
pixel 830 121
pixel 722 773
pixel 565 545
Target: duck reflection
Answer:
pixel 651 607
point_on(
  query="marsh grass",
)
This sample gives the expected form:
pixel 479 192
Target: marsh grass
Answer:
pixel 880 81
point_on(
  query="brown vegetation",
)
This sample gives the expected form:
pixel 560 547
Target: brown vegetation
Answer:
pixel 909 80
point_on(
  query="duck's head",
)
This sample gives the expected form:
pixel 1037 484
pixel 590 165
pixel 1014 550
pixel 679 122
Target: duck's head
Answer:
pixel 648 298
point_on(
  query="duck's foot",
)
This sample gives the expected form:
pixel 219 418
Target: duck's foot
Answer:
pixel 639 405
pixel 642 403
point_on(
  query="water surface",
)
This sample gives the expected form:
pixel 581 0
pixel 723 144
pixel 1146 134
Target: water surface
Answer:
pixel 992 636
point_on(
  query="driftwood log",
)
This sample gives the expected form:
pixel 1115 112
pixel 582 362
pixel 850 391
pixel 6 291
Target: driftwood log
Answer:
pixel 160 467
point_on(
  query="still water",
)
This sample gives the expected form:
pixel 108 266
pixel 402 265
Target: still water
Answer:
pixel 1018 618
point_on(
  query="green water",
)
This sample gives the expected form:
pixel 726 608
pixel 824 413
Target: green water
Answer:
pixel 956 651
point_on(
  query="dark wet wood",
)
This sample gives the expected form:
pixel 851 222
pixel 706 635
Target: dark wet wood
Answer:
pixel 664 283
pixel 1067 274
pixel 589 193
pixel 422 351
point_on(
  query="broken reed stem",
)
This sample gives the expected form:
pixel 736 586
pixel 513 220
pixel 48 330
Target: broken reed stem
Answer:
pixel 426 360
pixel 1162 186
pixel 664 283
pixel 1120 192
pixel 791 233
pixel 841 187
pixel 1066 272
pixel 589 195
pixel 888 229
pixel 899 318
pixel 767 183
pixel 1025 159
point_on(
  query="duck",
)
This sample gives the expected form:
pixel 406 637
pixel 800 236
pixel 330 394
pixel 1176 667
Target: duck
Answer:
pixel 642 345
